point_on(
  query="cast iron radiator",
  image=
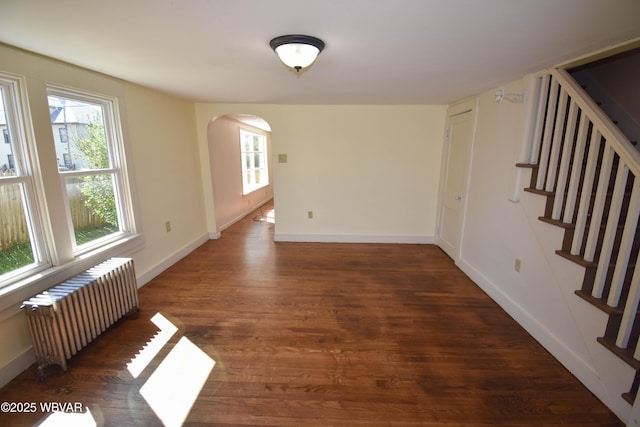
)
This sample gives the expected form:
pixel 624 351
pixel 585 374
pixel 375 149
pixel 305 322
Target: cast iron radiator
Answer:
pixel 65 318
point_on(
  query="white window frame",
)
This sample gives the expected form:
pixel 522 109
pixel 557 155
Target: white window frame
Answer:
pixel 248 187
pixel 117 167
pixel 20 131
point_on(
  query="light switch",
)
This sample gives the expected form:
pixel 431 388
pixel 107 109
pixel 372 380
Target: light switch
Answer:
pixel 282 158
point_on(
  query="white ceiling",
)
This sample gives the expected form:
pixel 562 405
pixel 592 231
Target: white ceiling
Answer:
pixel 377 51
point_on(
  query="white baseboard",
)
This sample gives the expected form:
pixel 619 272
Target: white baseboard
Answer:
pixel 243 214
pixel 17 366
pixel 234 220
pixel 148 275
pixel 353 238
pixel 579 367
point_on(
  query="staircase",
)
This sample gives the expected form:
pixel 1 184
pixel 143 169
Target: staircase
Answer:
pixel 586 168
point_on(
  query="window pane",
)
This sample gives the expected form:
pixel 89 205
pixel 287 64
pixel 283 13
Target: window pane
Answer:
pixel 92 206
pixel 7 162
pixel 6 149
pixel 15 241
pixel 16 237
pixel 246 142
pixel 78 133
pixel 253 148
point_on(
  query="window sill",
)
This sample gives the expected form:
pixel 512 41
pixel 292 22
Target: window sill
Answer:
pixel 12 296
pixel 254 189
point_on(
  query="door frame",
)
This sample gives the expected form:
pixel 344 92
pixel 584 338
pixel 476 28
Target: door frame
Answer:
pixel 460 107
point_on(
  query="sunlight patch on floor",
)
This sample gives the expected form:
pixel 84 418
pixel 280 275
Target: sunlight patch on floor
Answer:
pixel 69 419
pixel 266 216
pixel 175 385
pixel 153 347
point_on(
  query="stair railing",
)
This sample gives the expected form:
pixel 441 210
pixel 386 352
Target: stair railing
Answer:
pixel 592 172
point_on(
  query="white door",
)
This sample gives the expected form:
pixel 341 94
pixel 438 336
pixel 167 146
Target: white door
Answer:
pixel 456 167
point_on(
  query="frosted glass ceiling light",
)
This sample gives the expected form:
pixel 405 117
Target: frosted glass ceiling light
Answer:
pixel 297 51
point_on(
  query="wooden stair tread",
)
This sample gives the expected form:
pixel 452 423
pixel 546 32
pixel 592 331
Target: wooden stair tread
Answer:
pixel 571 225
pixel 624 354
pixel 557 222
pixel 588 264
pixel 540 192
pixel 527 165
pixel 600 303
pixel 579 194
pixel 577 259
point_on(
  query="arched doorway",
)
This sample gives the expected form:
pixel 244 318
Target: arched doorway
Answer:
pixel 240 158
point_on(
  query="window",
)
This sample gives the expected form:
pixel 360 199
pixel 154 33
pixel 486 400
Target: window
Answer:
pixel 63 134
pixel 253 154
pixel 21 242
pixel 88 216
pixel 91 168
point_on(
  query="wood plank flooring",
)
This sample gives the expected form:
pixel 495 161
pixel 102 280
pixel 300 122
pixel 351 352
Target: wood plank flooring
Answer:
pixel 307 334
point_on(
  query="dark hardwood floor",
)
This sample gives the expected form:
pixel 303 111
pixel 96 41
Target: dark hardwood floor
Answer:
pixel 306 334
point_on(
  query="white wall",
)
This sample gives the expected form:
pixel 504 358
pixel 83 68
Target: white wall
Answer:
pixel 497 230
pixel 163 156
pixel 226 172
pixel 368 173
pixel 169 185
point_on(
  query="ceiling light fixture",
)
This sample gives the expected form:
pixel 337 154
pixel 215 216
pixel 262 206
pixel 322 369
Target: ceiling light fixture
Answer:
pixel 297 51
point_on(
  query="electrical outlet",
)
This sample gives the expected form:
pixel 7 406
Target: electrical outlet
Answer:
pixel 518 264
pixel 167 225
pixel 310 214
